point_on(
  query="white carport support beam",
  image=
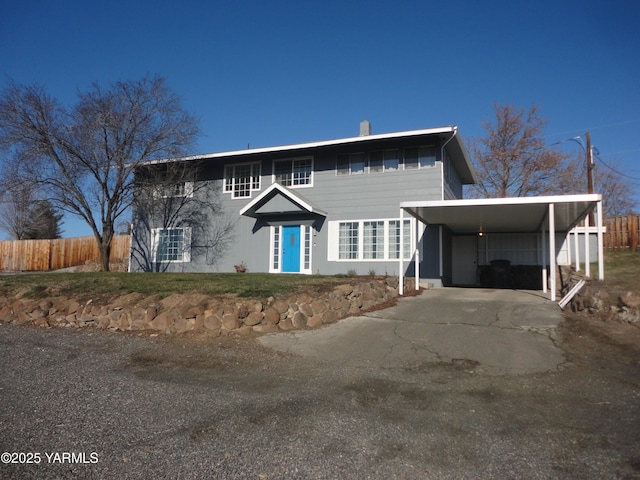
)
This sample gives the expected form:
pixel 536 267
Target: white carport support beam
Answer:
pixel 544 259
pixel 416 268
pixel 587 260
pixel 600 241
pixel 552 251
pixel 576 248
pixel 401 261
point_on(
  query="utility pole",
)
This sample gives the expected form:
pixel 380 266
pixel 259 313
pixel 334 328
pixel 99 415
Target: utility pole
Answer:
pixel 589 164
pixel 589 173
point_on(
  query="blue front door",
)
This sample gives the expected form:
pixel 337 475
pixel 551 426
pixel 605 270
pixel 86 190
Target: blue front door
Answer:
pixel 291 248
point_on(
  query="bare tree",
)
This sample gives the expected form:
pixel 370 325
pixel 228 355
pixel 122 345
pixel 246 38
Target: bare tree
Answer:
pixel 616 189
pixel 83 157
pixel 513 160
pixel 14 209
pixel 170 196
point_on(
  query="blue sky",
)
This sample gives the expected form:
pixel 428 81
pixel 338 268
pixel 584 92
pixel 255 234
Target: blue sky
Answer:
pixel 271 73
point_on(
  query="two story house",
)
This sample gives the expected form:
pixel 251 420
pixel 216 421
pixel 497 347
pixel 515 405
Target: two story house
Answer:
pixel 385 204
pixel 327 207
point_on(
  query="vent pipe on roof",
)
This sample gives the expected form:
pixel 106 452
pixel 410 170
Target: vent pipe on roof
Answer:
pixel 365 128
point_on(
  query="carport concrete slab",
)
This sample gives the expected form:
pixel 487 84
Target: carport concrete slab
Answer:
pixel 491 331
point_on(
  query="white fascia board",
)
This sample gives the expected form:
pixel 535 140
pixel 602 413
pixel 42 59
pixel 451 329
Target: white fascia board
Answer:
pixel 299 146
pixel 593 197
pixel 287 193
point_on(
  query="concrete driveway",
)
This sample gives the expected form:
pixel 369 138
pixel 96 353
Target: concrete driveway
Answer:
pixel 496 332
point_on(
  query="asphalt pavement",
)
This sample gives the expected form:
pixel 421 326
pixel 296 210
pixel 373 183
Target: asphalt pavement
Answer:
pixel 448 385
pixel 500 331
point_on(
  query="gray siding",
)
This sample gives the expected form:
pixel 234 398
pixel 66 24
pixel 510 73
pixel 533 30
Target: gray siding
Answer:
pixel 366 196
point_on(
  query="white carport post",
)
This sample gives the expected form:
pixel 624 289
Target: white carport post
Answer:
pixel 576 247
pixel 416 268
pixel 587 260
pixel 401 261
pixel 552 251
pixel 544 258
pixel 600 241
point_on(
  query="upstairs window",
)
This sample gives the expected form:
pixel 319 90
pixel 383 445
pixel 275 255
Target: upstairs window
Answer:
pixel 174 190
pixel 352 164
pixel 242 179
pixel 294 172
pixel 384 161
pixel 391 160
pixel 419 157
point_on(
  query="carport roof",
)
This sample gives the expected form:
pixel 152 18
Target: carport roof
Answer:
pixel 503 215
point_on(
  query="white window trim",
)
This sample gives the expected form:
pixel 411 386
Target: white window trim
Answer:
pixel 333 232
pixel 232 189
pixel 161 190
pixel 401 161
pixel 155 242
pixel 303 244
pixel 292 159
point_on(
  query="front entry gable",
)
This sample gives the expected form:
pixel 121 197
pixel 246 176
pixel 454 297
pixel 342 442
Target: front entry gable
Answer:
pixel 279 200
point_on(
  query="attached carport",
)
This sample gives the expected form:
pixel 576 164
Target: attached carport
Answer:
pixel 545 216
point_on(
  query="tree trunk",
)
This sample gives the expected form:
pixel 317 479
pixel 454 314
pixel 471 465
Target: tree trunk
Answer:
pixel 104 243
pixel 105 253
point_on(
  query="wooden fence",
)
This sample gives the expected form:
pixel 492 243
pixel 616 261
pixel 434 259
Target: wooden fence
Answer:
pixel 45 255
pixel 623 232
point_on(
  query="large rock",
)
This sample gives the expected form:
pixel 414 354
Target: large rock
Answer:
pixel 212 323
pixel 343 290
pixel 230 321
pixel 319 306
pixel 254 318
pixel 272 315
pixel 307 309
pixel 315 321
pixel 162 322
pixel 286 324
pixel 265 328
pixel 329 316
pixel 182 325
pixel 299 320
pixel 280 306
pixel 629 299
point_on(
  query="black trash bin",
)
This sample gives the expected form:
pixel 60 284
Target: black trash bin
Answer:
pixel 500 270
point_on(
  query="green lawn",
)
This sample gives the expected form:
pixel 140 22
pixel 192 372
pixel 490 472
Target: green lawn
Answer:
pixel 111 284
pixel 622 272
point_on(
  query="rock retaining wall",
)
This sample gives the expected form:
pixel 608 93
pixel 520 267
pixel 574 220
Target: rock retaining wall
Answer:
pixel 201 313
pixel 623 308
pixel 596 299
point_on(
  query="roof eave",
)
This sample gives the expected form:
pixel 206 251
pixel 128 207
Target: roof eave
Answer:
pixel 308 145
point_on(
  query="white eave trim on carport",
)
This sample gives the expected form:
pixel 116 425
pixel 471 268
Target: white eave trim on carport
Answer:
pixel 559 213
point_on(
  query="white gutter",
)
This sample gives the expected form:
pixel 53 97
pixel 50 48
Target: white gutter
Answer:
pixel 455 131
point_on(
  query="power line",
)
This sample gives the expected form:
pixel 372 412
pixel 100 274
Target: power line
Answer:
pixel 596 154
pixel 616 124
pixel 614 170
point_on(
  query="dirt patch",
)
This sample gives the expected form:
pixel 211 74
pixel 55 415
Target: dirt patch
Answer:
pixel 590 338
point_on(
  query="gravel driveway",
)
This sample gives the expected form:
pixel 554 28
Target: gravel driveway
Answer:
pixel 95 404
